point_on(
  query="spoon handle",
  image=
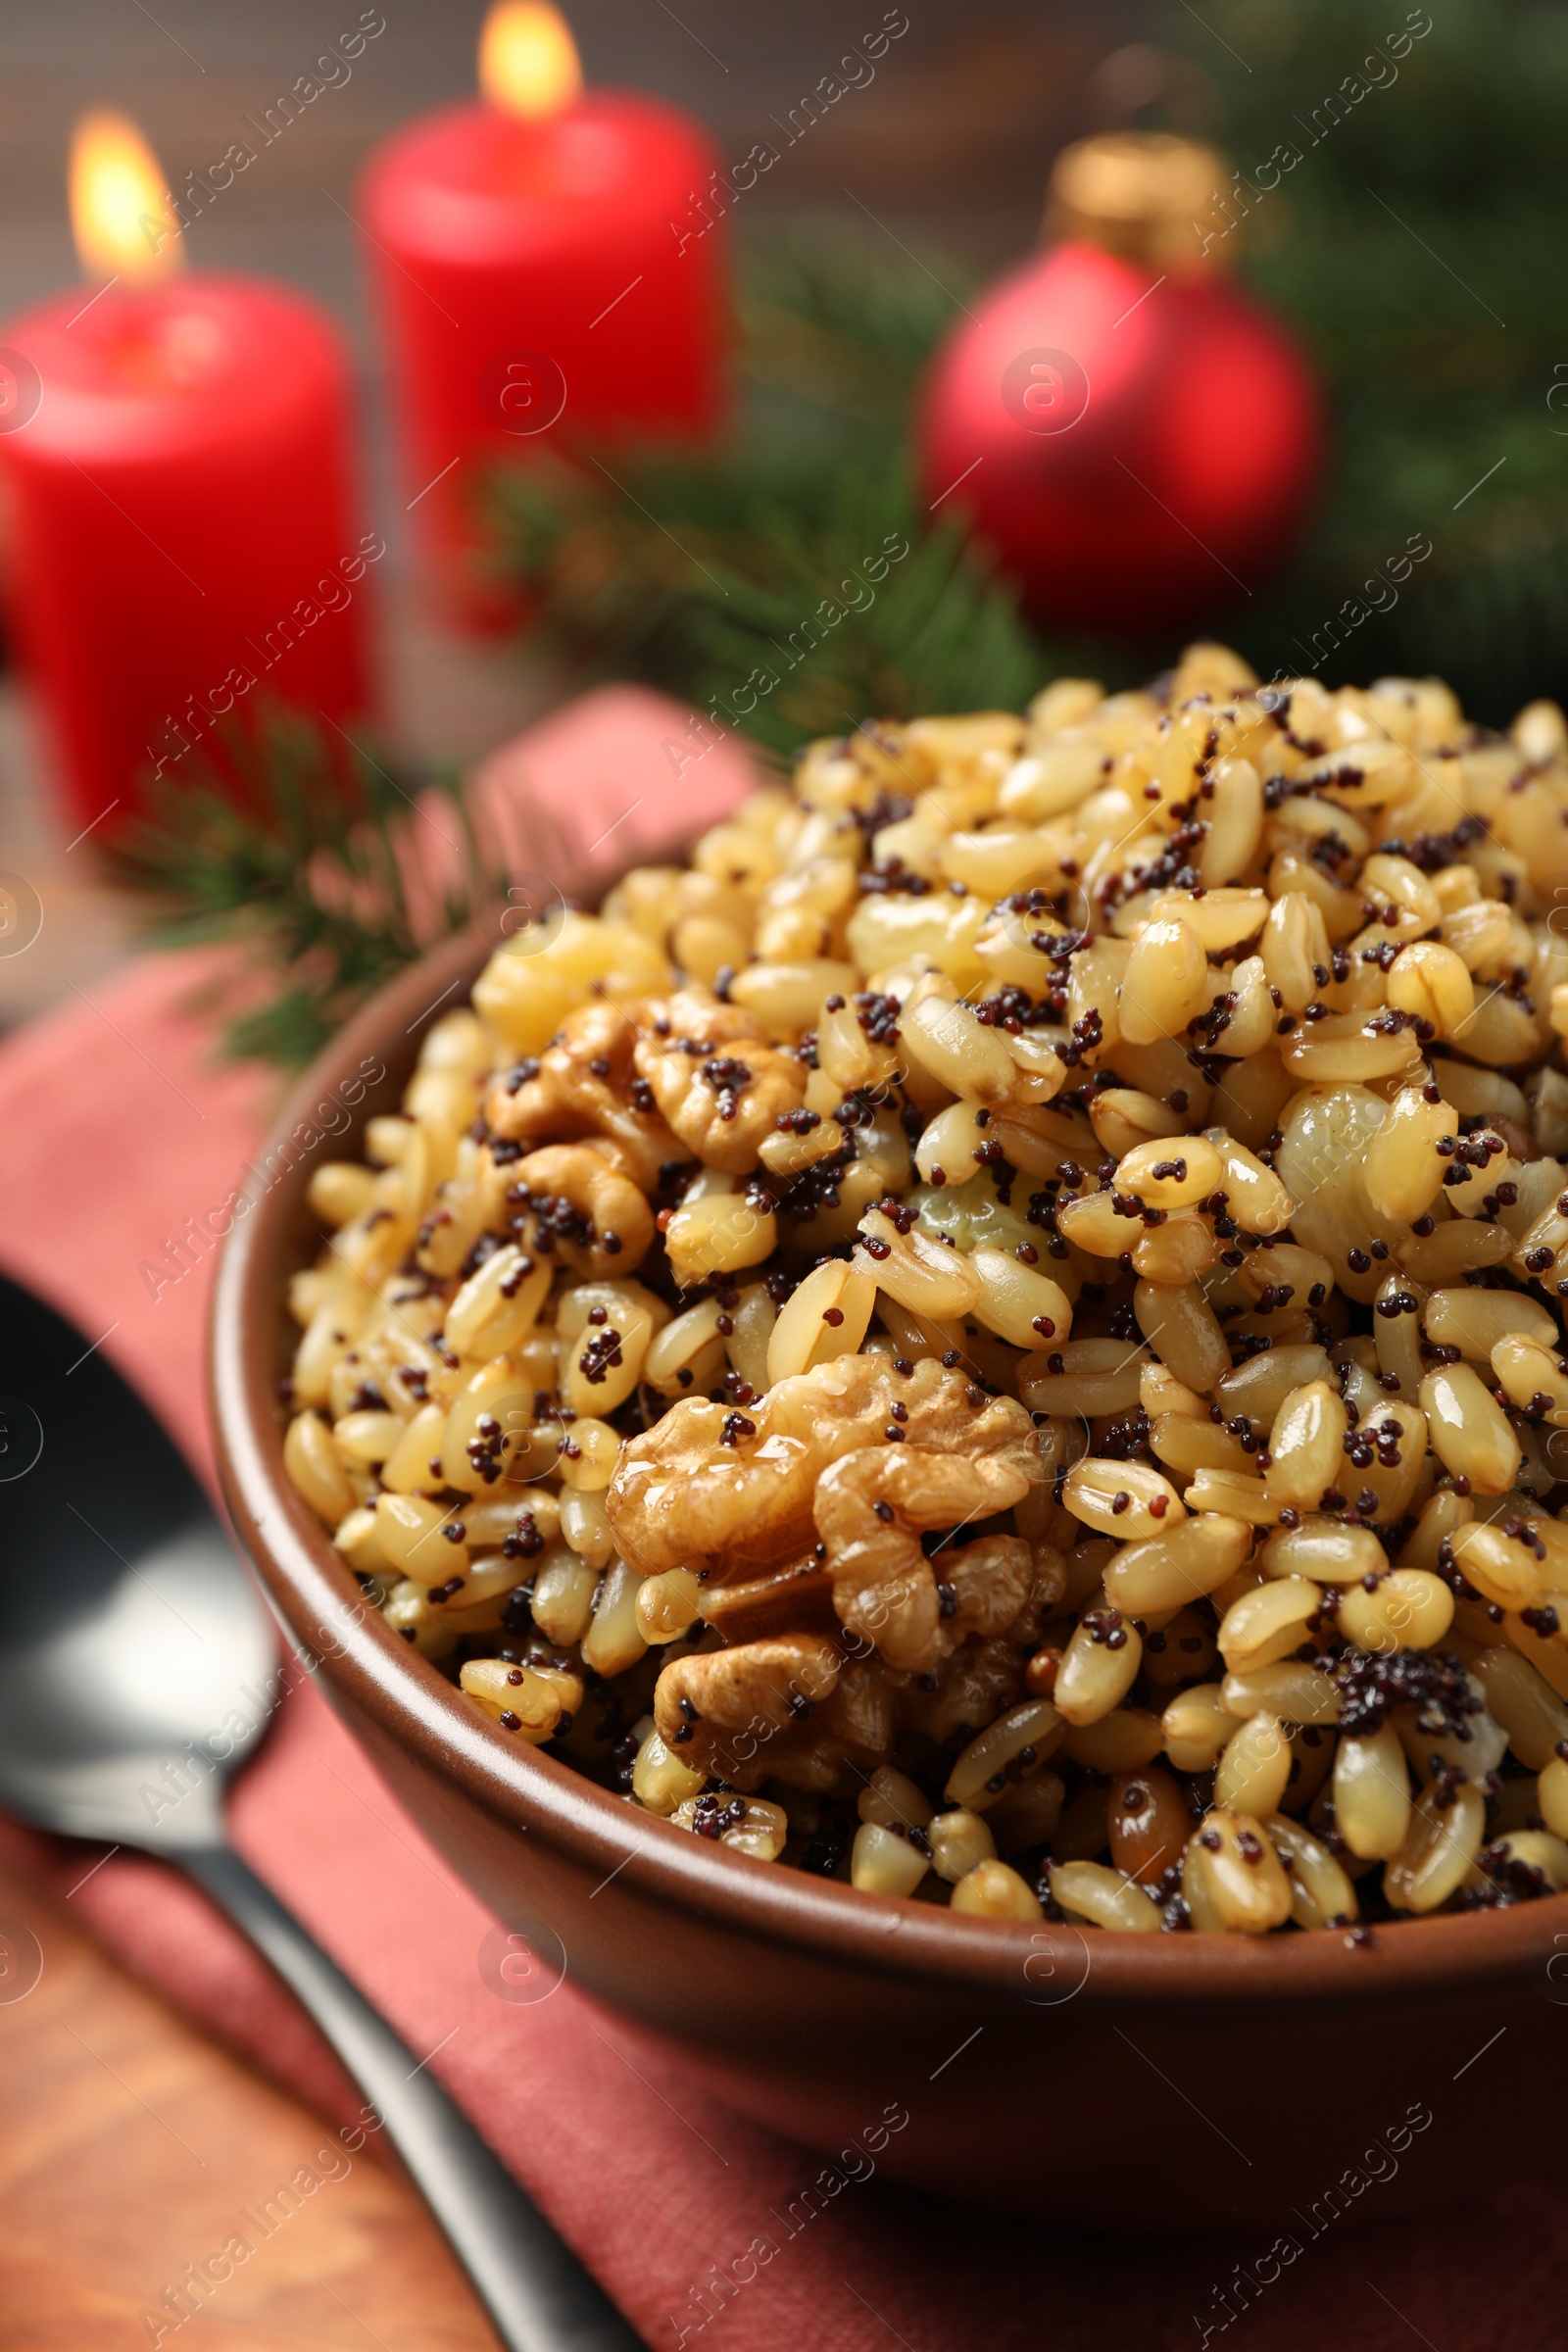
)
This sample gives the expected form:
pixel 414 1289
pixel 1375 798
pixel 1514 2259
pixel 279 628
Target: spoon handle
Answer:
pixel 536 2291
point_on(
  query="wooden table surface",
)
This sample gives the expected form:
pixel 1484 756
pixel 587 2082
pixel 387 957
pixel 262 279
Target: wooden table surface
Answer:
pixel 131 2149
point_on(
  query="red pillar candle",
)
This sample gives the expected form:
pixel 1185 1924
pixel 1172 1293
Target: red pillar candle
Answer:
pixel 182 535
pixel 537 276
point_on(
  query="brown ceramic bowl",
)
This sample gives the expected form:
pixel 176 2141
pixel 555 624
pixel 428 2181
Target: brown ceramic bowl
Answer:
pixel 1189 2079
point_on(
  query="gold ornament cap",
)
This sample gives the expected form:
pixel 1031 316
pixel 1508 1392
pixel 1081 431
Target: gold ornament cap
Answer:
pixel 1143 194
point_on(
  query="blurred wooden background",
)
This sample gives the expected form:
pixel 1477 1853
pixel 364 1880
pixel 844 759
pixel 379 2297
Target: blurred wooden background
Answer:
pixel 949 145
pixel 953 139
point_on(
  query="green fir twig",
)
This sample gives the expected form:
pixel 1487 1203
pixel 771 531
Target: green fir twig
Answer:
pixel 300 849
pixel 1416 246
pixel 711 575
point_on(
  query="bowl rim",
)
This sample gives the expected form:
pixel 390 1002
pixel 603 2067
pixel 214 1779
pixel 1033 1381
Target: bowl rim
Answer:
pixel 529 1791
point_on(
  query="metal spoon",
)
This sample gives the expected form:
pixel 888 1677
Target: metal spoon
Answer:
pixel 133 1641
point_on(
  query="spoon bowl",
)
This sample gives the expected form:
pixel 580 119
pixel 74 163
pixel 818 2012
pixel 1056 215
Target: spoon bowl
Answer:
pixel 136 1671
pixel 135 1653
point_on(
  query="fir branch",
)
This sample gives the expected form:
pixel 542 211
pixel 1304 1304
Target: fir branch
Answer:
pixel 306 853
pixel 740 580
pixel 1418 216
pixel 788 626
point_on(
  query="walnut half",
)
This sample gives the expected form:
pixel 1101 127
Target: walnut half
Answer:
pixel 733 1491
pixel 790 1709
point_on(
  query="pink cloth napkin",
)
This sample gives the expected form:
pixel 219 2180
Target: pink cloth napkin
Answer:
pixel 114 1127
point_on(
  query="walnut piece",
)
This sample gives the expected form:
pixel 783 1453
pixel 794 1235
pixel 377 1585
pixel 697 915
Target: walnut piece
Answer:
pixel 788 1709
pixel 586 1084
pixel 803 1707
pixel 574 1200
pixel 695 1015
pixel 871 1508
pixel 732 1492
pixel 797 1599
pixel 723 1104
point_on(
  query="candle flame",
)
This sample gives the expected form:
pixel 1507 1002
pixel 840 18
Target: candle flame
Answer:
pixel 120 213
pixel 528 62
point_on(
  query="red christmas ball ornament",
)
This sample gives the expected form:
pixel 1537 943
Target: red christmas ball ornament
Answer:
pixel 1136 438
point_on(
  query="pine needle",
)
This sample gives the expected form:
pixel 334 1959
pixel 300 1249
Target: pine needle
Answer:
pixel 760 584
pixel 304 853
pixel 1421 213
